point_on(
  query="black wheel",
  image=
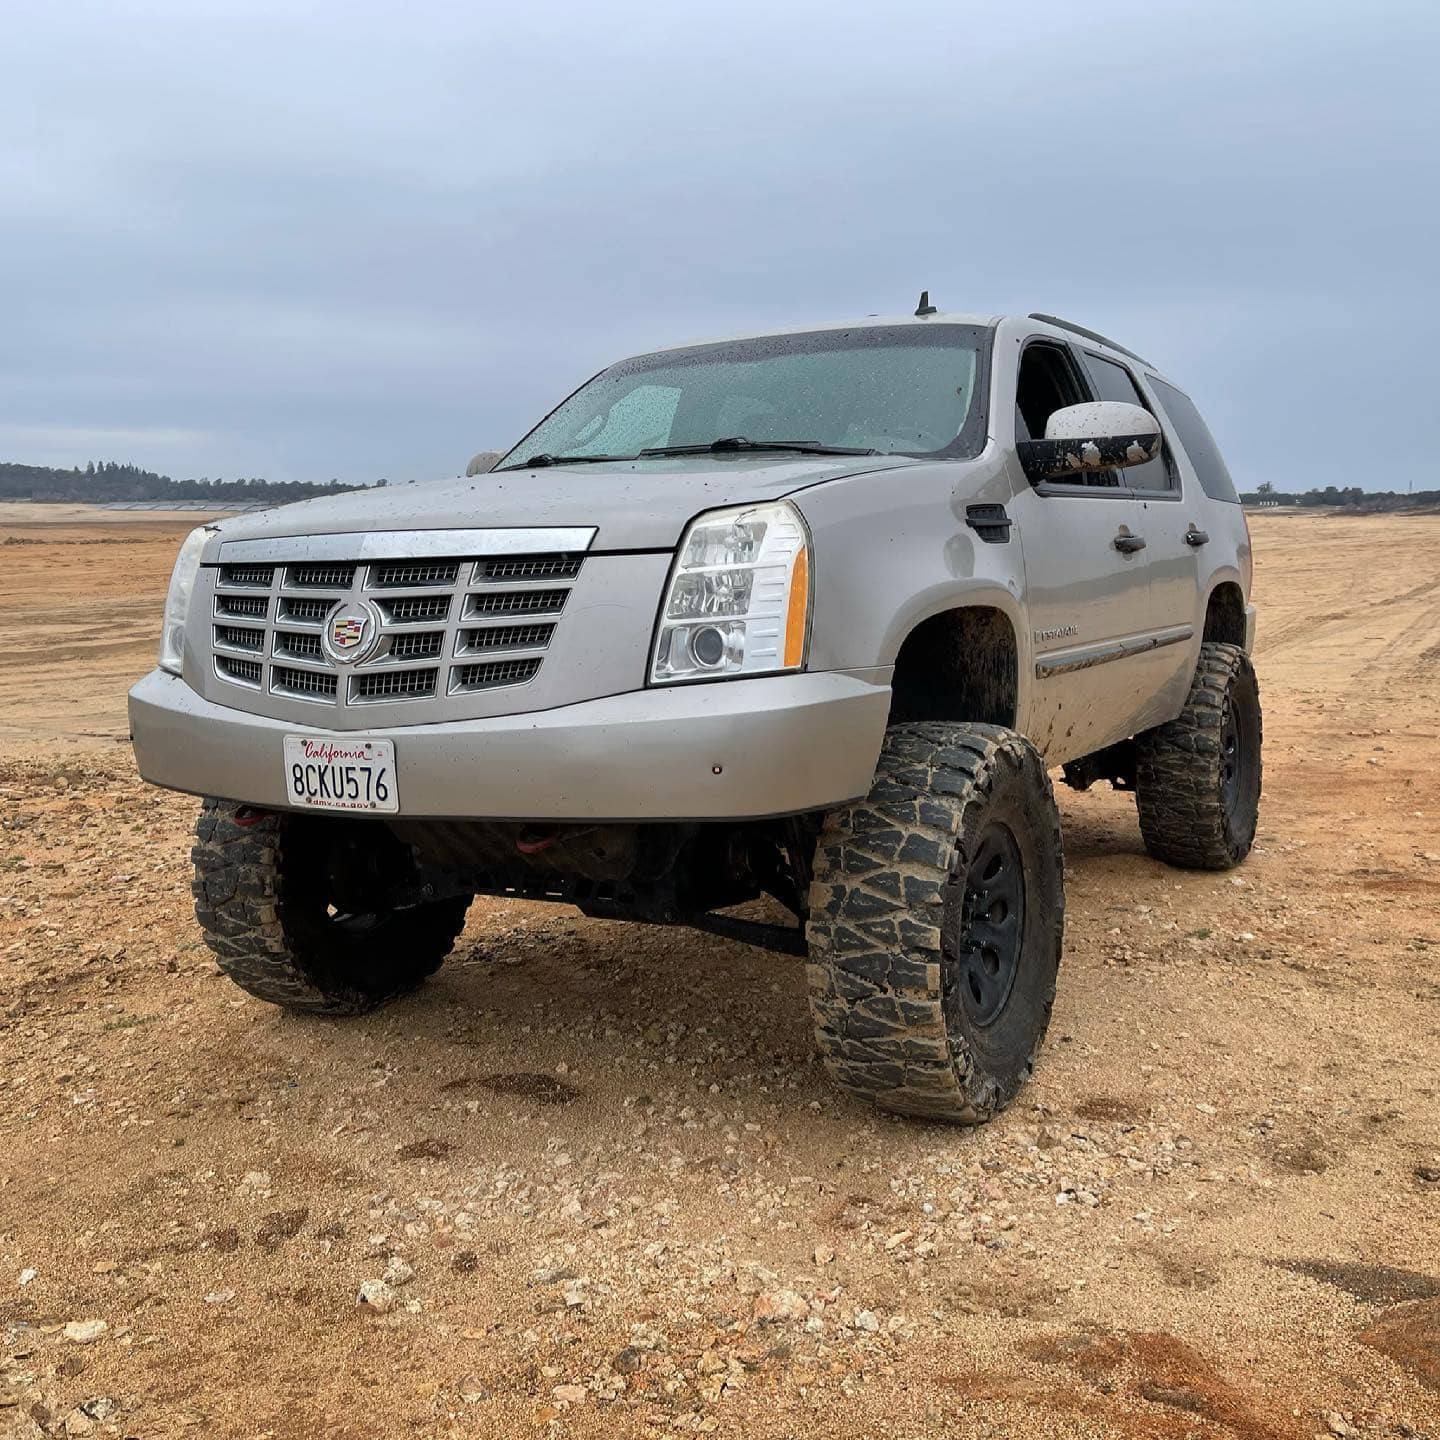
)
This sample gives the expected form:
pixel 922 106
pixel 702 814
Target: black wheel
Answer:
pixel 286 904
pixel 1197 779
pixel 936 920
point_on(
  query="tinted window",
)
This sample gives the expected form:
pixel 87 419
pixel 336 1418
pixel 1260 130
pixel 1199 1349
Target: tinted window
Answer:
pixel 1199 444
pixel 1113 382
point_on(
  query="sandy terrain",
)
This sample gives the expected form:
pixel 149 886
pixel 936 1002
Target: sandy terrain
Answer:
pixel 29 513
pixel 82 589
pixel 620 1197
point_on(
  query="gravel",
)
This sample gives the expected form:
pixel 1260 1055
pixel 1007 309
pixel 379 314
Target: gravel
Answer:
pixel 623 1198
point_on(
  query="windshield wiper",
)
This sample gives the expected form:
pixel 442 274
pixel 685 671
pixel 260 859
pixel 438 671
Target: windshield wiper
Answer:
pixel 739 442
pixel 713 447
pixel 539 462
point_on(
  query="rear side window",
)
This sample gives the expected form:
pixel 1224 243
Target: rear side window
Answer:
pixel 1198 442
pixel 1114 382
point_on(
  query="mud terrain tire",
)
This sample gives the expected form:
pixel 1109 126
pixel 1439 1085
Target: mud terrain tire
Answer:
pixel 936 919
pixel 1197 778
pixel 261 897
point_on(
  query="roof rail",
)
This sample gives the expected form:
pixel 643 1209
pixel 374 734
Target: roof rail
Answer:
pixel 1088 334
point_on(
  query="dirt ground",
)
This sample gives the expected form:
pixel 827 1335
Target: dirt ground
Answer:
pixel 612 1190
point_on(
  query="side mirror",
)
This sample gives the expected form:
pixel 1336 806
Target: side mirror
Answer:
pixel 484 462
pixel 1099 435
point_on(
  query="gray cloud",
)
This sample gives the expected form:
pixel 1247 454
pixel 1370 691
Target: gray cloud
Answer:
pixel 367 240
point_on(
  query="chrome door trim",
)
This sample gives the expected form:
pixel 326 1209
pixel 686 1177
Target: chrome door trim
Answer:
pixel 407 545
pixel 1082 657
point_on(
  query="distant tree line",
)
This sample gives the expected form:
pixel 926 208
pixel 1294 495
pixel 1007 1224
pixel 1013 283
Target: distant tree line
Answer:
pixel 1352 496
pixel 109 480
pixel 106 480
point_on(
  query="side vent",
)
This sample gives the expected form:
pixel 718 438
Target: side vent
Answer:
pixel 989 522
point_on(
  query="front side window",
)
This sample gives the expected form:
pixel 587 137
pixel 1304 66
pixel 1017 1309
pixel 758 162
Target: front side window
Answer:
pixel 1114 382
pixel 901 390
pixel 1049 381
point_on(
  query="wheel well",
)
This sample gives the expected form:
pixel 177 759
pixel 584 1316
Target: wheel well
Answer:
pixel 959 665
pixel 1225 614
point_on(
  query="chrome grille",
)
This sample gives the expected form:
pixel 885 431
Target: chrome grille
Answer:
pixel 243 607
pixel 505 637
pixel 426 572
pixel 239 637
pixel 299 645
pixel 421 645
pixel 305 609
pixel 288 681
pixel 242 672
pixel 320 577
pixel 393 685
pixel 455 612
pixel 491 674
pixel 246 574
pixel 517 602
pixel 529 567
pixel 411 608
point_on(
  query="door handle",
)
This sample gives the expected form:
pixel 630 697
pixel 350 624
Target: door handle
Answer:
pixel 1196 537
pixel 1128 544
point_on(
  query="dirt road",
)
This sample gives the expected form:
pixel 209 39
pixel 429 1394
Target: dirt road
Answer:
pixel 612 1190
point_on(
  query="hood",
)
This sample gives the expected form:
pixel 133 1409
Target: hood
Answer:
pixel 635 505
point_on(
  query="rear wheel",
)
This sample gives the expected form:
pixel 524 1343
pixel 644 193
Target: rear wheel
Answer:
pixel 1197 778
pixel 936 920
pixel 292 907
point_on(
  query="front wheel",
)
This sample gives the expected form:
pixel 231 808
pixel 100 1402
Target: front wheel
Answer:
pixel 292 907
pixel 1197 778
pixel 936 920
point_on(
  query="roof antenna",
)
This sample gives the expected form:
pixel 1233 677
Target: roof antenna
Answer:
pixel 925 307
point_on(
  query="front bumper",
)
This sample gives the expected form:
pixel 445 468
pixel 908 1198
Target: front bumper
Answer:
pixel 737 749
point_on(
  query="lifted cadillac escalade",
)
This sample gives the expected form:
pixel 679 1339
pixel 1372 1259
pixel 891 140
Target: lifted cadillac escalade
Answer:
pixel 808 615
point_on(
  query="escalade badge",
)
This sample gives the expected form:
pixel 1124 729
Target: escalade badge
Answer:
pixel 350 632
pixel 1057 632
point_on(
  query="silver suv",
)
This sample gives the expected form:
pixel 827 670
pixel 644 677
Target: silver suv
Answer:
pixel 806 615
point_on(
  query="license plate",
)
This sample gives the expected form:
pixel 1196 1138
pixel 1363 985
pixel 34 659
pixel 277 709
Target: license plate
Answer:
pixel 356 773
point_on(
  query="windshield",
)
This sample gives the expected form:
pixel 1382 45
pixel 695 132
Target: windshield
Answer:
pixel 901 390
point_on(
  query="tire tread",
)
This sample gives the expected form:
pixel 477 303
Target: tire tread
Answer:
pixel 875 977
pixel 1177 772
pixel 239 892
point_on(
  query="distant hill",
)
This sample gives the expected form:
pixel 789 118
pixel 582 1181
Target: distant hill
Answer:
pixel 107 480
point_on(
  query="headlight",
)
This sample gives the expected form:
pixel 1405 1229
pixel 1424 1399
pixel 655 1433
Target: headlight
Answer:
pixel 738 602
pixel 177 602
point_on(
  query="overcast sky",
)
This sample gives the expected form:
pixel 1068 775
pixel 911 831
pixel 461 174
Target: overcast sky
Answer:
pixel 307 240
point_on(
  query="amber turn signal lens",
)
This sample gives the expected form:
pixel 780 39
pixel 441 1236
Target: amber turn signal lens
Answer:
pixel 799 609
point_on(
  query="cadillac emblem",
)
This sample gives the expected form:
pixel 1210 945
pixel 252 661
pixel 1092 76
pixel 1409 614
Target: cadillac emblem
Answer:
pixel 347 631
pixel 351 631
